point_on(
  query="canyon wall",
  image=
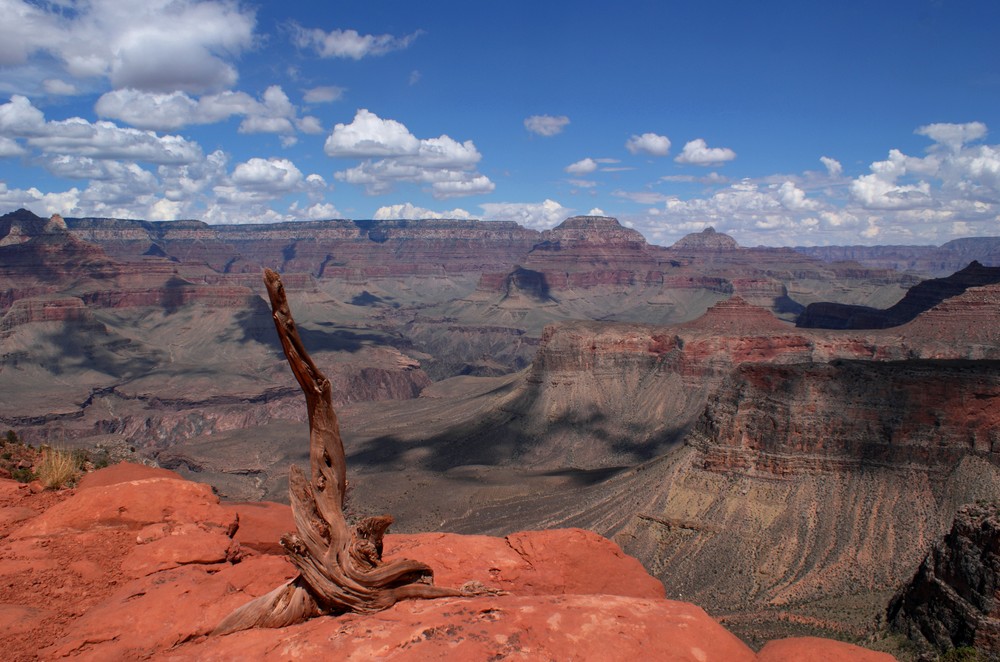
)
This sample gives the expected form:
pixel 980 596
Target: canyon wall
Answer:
pixel 918 299
pixel 924 260
pixel 759 468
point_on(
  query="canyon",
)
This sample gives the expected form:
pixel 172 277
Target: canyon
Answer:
pixel 691 403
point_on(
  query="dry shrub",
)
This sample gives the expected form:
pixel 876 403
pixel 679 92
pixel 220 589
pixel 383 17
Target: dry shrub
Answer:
pixel 57 468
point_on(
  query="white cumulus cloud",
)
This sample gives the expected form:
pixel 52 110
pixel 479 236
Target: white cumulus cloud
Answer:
pixel 323 94
pixel 10 147
pixel 272 113
pixel 316 212
pixel 410 211
pixel 953 188
pixel 546 125
pixel 953 135
pixel 968 176
pixel 794 198
pixel 697 152
pixel 833 167
pixel 104 140
pixel 392 154
pixel 20 118
pixel 648 143
pixel 368 135
pixel 350 43
pixel 539 215
pixel 155 45
pixel 58 87
pixel 582 167
pixel 59 202
pixel 273 175
pixel 98 140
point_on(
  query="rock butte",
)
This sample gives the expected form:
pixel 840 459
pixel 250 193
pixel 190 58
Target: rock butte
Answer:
pixel 136 563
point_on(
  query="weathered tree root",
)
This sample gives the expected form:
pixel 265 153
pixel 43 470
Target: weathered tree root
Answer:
pixel 340 570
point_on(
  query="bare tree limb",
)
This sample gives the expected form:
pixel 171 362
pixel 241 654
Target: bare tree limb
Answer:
pixel 340 569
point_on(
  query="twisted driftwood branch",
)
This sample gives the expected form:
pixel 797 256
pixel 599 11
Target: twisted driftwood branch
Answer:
pixel 340 569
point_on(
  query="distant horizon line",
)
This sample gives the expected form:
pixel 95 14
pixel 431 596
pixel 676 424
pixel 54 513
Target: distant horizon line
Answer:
pixel 707 228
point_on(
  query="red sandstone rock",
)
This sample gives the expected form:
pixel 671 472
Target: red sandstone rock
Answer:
pixel 14 514
pixel 9 487
pixel 16 619
pixel 554 562
pixel 159 611
pixel 182 548
pixel 707 239
pixel 123 472
pixel 814 649
pixel 571 627
pixel 138 569
pixel 262 524
pixel 919 299
pixel 131 505
pixel 582 562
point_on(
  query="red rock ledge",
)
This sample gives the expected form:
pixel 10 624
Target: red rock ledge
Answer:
pixel 137 563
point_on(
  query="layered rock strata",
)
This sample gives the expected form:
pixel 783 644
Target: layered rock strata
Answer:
pixel 786 467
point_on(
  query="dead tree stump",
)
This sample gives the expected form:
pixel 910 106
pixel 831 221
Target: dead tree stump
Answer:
pixel 340 569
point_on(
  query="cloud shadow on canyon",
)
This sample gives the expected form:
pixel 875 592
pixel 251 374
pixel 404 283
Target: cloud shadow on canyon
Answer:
pixel 496 441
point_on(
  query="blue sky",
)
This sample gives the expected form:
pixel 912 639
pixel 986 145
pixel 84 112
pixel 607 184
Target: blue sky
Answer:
pixel 780 123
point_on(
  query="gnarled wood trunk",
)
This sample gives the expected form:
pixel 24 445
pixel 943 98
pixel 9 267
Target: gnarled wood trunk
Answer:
pixel 340 568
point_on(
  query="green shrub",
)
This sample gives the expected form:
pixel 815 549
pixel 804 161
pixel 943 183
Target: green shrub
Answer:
pixel 22 475
pixel 962 654
pixel 101 459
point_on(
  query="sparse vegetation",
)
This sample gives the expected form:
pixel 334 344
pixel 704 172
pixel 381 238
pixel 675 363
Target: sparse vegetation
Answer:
pixel 962 654
pixel 53 467
pixel 22 475
pixel 58 468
